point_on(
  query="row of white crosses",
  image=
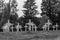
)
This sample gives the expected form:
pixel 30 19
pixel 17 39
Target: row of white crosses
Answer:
pixel 19 27
pixel 55 26
pixel 8 24
pixel 31 25
pixel 47 25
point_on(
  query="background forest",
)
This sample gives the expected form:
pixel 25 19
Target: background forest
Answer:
pixel 50 14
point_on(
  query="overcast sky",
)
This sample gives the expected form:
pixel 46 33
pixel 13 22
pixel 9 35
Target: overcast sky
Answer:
pixel 21 3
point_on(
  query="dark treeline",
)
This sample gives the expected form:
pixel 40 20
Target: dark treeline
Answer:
pixel 50 10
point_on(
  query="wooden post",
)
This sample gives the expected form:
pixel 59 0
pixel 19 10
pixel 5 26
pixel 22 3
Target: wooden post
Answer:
pixel 29 27
pixel 44 27
pixel 17 28
pixel 12 29
pixel 53 27
pixel 56 26
pixel 35 28
pixel 7 29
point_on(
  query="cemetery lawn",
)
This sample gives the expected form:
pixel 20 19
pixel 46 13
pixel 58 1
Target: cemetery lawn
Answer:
pixel 40 35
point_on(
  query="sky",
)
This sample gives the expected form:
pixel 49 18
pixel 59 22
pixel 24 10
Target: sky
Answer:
pixel 21 3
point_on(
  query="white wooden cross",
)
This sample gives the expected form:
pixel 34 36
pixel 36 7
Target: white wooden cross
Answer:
pixel 56 26
pixel 30 24
pixel 44 27
pixel 7 26
pixel 19 27
pixel 48 24
pixel 35 28
pixel 53 27
pixel 25 28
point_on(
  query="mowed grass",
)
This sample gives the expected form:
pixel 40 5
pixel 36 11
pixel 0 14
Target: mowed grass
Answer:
pixel 40 35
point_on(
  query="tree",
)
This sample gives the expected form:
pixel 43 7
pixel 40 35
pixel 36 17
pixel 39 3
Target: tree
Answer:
pixel 22 20
pixel 30 10
pixel 51 9
pixel 13 12
pixel 4 10
pixel 43 21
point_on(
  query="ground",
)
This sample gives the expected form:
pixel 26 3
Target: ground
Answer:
pixel 40 35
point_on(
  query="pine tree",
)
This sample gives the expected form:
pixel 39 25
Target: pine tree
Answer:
pixel 50 8
pixel 30 8
pixel 13 12
pixel 30 11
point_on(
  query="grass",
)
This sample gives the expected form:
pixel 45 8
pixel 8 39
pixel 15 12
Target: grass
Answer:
pixel 41 35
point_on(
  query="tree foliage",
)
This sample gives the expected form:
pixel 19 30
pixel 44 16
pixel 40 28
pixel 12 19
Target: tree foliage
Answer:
pixel 51 9
pixel 13 12
pixel 30 8
pixel 4 15
pixel 30 11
